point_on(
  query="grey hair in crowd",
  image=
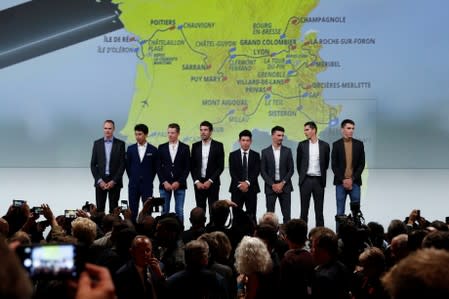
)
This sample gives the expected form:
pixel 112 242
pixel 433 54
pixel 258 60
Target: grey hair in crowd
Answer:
pixel 252 256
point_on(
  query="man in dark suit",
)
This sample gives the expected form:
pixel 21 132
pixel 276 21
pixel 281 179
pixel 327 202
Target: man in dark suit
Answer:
pixel 331 278
pixel 348 162
pixel 196 281
pixel 174 168
pixel 277 169
pixel 141 276
pixel 312 159
pixel 141 166
pixel 207 164
pixel 244 168
pixel 107 166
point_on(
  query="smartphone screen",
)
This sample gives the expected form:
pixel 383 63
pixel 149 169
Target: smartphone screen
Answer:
pixel 123 204
pixel 18 202
pixel 70 213
pixel 37 210
pixel 51 261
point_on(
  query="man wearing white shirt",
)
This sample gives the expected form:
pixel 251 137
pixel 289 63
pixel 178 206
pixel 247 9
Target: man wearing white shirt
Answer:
pixel 207 164
pixel 174 168
pixel 312 160
pixel 277 169
pixel 141 165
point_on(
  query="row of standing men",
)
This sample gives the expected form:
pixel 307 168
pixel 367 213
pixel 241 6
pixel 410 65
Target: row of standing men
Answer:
pixel 173 161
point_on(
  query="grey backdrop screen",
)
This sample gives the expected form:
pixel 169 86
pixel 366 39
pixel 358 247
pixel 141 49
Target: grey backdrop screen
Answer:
pixel 52 106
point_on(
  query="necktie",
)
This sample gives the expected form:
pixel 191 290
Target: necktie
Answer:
pixel 245 166
pixel 148 284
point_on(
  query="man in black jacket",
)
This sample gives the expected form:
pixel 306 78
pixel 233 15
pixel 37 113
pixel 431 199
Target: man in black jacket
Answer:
pixel 107 166
pixel 348 162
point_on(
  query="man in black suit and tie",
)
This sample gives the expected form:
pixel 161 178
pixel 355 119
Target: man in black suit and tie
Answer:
pixel 141 276
pixel 348 162
pixel 277 169
pixel 207 164
pixel 174 168
pixel 244 168
pixel 107 166
pixel 141 166
pixel 312 159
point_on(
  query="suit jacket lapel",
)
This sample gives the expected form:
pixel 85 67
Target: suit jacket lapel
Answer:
pixel 273 161
pixel 137 153
pixel 166 151
pixel 306 150
pixel 211 150
pixel 114 148
pixel 250 159
pixel 281 159
pixel 321 153
pixel 147 151
pixel 343 153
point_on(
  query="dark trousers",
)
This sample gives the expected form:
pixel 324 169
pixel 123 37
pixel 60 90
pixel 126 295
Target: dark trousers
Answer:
pixel 247 199
pixel 311 186
pixel 207 197
pixel 101 196
pixel 284 201
pixel 137 192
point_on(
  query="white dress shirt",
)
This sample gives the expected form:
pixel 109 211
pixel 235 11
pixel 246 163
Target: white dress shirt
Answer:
pixel 314 159
pixel 142 150
pixel 277 158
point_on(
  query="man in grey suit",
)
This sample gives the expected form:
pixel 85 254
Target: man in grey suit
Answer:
pixel 277 168
pixel 312 160
pixel 107 166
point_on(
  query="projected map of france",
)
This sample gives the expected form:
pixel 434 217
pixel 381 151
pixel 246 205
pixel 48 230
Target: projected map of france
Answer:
pixel 239 64
pixel 248 65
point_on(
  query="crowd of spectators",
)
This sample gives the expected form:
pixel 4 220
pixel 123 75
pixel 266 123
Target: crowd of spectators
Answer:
pixel 229 256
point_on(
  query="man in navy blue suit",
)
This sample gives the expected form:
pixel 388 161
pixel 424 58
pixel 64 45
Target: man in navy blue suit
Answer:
pixel 141 166
pixel 174 168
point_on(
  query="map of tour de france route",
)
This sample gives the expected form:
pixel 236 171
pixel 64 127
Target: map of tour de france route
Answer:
pixel 238 64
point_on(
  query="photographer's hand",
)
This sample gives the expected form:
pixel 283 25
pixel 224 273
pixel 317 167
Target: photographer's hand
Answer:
pixel 82 213
pixel 25 208
pixel 412 217
pixel 116 211
pixel 423 223
pixel 95 283
pixel 48 214
pixel 147 205
pixel 30 222
pixel 10 210
pixel 127 214
pixel 93 210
